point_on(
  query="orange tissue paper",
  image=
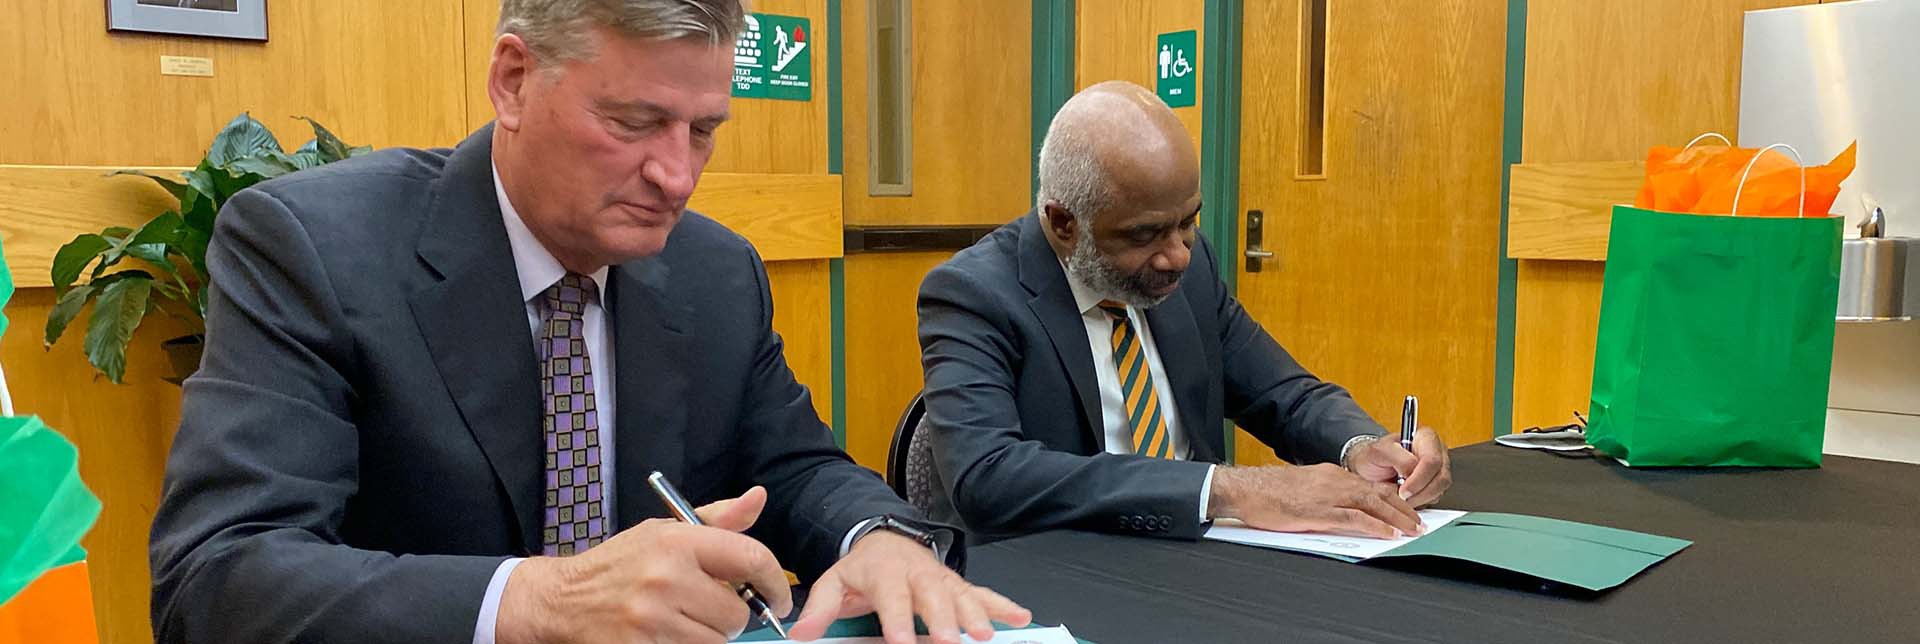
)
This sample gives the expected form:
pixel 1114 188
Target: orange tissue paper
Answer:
pixel 1704 179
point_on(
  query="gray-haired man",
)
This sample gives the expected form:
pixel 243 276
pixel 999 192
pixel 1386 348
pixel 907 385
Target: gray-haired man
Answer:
pixel 1080 361
pixel 435 383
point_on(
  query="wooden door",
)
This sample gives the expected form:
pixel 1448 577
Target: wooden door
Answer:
pixel 1387 252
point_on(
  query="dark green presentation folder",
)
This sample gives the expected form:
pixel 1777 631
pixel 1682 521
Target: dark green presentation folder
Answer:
pixel 1577 554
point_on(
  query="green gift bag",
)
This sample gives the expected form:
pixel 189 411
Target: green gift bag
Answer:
pixel 1716 339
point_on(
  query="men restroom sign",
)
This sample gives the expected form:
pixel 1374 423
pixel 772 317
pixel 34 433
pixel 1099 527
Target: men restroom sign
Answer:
pixel 774 58
pixel 1177 67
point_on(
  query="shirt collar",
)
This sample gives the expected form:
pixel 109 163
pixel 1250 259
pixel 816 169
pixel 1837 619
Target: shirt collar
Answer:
pixel 1083 296
pixel 537 267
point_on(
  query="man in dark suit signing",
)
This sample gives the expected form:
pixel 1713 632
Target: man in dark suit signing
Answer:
pixel 1080 360
pixel 435 383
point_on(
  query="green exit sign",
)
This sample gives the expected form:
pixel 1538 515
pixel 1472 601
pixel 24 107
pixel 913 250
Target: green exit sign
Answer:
pixel 1177 67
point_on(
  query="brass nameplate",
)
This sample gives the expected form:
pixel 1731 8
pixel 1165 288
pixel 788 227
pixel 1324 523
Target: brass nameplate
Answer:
pixel 186 66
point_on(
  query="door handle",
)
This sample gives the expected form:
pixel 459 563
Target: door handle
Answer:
pixel 1256 255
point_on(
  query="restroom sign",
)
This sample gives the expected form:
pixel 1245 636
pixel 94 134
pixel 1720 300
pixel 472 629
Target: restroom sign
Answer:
pixel 1177 67
pixel 773 58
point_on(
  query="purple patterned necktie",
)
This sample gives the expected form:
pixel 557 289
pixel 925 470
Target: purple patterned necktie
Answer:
pixel 573 519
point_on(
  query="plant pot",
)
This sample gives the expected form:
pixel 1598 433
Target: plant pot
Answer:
pixel 183 353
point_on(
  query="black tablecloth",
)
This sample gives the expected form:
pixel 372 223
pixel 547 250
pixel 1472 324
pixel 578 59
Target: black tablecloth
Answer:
pixel 1821 555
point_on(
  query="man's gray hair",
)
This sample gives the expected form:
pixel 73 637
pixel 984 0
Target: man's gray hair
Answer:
pixel 1070 171
pixel 556 30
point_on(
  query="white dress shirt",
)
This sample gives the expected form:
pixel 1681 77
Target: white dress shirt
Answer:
pixel 1113 402
pixel 539 270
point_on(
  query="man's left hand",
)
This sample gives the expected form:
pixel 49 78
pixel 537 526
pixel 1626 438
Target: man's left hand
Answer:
pixel 899 578
pixel 1426 470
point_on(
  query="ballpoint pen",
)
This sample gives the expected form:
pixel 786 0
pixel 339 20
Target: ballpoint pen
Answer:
pixel 684 511
pixel 1409 422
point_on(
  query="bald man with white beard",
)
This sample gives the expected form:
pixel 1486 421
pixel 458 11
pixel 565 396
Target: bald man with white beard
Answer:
pixel 1080 362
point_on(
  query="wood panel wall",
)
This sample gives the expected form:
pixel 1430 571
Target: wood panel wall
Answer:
pixel 971 94
pixel 376 72
pixel 1604 82
pixel 1116 40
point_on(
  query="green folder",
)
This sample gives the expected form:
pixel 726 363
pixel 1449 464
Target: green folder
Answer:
pixel 1577 554
pixel 865 626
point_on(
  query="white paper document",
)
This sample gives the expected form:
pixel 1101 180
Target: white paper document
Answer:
pixel 1047 635
pixel 1345 547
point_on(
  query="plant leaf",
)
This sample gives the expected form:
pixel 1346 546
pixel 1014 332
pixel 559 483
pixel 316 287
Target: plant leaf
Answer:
pixel 155 254
pixel 268 165
pixel 193 245
pixel 183 192
pixel 162 229
pixel 121 237
pixel 331 148
pixel 226 184
pixel 307 159
pixel 242 137
pixel 359 150
pixel 116 314
pixel 64 310
pixel 73 258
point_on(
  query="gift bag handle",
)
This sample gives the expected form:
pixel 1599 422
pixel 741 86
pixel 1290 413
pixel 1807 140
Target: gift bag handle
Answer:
pixel 1696 140
pixel 6 400
pixel 1756 159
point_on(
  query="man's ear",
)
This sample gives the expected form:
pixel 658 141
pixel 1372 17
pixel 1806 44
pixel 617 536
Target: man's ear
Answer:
pixel 509 78
pixel 1060 222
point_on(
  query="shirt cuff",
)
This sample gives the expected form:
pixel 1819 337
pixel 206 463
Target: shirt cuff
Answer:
pixel 1206 492
pixel 490 603
pixel 846 542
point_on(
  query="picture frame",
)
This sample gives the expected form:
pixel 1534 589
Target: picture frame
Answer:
pixel 234 19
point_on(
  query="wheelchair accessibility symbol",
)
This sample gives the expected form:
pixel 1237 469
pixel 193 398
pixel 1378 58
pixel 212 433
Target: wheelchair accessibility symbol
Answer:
pixel 1173 63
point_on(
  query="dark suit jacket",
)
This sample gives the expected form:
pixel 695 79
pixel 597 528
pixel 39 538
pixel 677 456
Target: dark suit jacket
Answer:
pixel 361 446
pixel 1014 407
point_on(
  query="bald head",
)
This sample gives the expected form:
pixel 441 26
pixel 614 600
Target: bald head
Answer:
pixel 1120 192
pixel 1116 142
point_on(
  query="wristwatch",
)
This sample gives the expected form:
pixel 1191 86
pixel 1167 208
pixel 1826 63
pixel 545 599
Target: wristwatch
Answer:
pixel 932 536
pixel 1352 443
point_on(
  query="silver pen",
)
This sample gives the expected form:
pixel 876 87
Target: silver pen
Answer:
pixel 684 511
pixel 1409 422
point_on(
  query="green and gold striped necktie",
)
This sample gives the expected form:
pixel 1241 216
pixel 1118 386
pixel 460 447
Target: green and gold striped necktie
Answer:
pixel 1149 430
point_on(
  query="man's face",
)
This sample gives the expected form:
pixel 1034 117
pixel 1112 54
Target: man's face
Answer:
pixel 1136 250
pixel 609 148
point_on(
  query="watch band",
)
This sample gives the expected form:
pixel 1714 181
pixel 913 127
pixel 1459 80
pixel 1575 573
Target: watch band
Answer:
pixel 935 537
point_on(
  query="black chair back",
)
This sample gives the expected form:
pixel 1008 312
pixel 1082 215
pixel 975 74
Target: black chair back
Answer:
pixel 902 440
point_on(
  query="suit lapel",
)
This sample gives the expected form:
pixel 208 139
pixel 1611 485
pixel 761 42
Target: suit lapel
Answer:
pixel 474 308
pixel 1177 339
pixel 652 357
pixel 1052 302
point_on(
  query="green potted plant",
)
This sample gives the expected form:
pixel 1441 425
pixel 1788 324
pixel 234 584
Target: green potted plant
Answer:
pixel 170 274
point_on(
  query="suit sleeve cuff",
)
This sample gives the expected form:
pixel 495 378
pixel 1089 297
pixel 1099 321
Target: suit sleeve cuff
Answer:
pixel 1206 492
pixel 490 604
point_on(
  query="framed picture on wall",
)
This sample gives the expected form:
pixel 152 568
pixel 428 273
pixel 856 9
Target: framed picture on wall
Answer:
pixel 241 19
